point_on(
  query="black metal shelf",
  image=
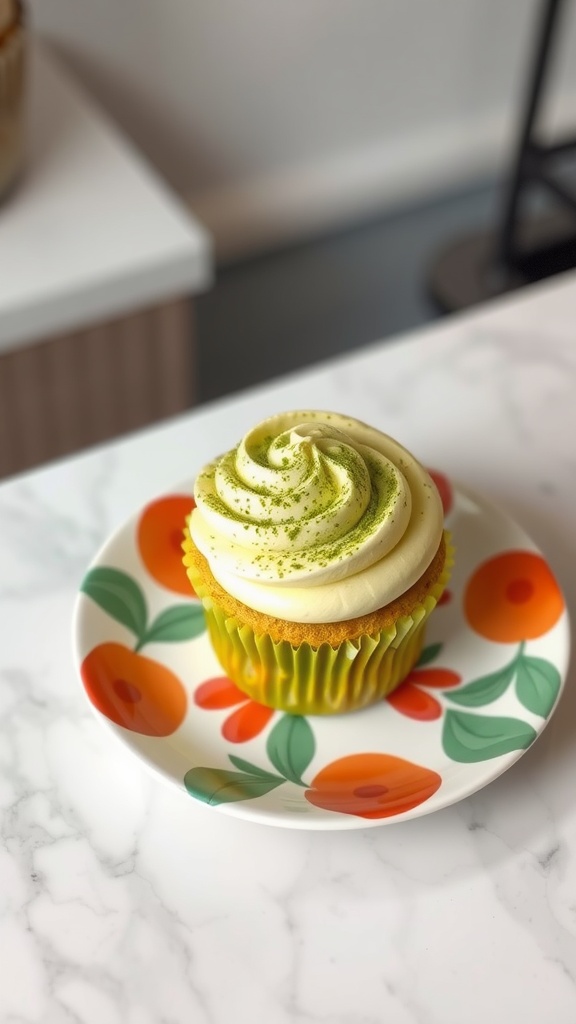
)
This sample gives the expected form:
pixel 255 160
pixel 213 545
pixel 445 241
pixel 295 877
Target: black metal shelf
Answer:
pixel 523 247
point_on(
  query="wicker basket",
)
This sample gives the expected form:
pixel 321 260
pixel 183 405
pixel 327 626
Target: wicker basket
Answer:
pixel 12 81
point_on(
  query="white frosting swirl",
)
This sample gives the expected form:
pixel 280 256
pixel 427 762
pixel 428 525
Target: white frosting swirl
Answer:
pixel 315 517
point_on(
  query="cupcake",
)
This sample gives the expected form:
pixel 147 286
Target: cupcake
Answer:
pixel 317 547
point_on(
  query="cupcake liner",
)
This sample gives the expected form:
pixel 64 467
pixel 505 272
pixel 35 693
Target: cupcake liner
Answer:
pixel 318 680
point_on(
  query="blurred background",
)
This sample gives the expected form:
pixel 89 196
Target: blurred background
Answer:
pixel 327 152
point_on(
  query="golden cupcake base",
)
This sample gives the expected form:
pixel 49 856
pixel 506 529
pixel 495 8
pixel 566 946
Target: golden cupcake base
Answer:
pixel 319 680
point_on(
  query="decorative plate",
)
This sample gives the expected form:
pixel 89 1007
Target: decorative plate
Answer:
pixel 487 682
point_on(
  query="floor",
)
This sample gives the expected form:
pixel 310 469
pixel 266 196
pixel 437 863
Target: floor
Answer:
pixel 276 313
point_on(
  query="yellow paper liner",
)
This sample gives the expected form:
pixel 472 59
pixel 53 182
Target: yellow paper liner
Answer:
pixel 318 680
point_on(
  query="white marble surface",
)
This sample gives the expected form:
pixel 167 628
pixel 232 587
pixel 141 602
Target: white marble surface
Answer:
pixel 122 901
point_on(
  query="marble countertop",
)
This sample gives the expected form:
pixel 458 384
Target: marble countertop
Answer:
pixel 123 901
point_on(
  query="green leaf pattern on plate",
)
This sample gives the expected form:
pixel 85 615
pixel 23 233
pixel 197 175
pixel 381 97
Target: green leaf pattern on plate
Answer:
pixel 222 786
pixel 537 685
pixel 251 769
pixel 428 654
pixel 485 689
pixel 180 622
pixel 471 738
pixel 121 597
pixel 291 746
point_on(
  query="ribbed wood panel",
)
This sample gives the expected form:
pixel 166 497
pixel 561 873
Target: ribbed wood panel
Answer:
pixel 60 395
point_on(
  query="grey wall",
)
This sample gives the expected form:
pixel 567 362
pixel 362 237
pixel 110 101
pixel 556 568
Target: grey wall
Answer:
pixel 274 117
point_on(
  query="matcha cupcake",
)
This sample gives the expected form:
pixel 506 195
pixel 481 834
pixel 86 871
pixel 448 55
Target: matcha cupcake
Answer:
pixel 317 548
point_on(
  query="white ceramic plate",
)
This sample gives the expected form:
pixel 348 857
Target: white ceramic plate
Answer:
pixel 490 677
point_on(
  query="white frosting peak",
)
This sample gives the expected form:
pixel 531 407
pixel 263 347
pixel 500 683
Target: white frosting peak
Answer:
pixel 315 517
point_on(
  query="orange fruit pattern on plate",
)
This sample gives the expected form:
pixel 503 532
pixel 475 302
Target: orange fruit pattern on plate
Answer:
pixel 513 596
pixel 159 537
pixel 133 691
pixel 372 785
